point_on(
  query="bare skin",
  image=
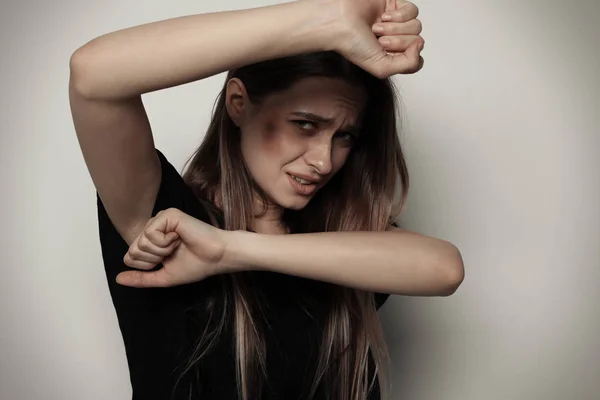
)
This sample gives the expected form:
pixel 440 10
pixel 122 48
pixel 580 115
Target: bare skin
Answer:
pixel 283 138
pixel 395 262
pixel 109 75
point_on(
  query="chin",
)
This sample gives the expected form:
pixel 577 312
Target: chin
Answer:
pixel 295 203
pixel 284 197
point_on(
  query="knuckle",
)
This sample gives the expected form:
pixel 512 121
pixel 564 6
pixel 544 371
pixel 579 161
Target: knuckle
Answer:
pixel 172 211
pixel 411 8
pixel 147 231
pixel 143 243
pixel 418 26
pixel 134 253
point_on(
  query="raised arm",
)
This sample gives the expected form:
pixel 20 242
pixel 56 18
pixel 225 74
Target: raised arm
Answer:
pixel 172 52
pixel 110 73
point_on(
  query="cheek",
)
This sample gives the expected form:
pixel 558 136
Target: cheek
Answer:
pixel 270 141
pixel 261 147
pixel 265 150
pixel 339 157
pixel 278 141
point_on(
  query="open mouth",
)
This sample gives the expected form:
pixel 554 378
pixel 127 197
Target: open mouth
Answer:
pixel 300 180
pixel 302 186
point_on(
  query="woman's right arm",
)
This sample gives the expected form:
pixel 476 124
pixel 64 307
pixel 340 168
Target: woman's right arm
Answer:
pixel 110 73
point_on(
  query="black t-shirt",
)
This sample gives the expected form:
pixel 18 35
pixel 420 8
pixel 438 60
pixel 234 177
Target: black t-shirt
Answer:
pixel 160 326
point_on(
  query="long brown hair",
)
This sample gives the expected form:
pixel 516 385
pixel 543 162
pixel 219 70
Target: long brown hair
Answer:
pixel 362 196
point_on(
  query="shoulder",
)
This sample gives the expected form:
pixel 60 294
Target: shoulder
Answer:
pixel 173 193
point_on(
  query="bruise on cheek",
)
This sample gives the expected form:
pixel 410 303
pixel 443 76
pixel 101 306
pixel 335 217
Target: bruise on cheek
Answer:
pixel 270 137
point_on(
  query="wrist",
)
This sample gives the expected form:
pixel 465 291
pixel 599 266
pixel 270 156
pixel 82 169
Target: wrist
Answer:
pixel 326 20
pixel 238 245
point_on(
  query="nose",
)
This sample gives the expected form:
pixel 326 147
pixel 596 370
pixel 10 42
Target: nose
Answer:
pixel 318 156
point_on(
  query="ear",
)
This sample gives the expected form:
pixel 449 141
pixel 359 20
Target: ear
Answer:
pixel 236 100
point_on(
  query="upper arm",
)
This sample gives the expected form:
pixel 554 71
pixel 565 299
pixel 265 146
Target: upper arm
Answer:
pixel 117 145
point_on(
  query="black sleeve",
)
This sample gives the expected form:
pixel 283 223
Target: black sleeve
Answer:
pixel 173 192
pixel 380 299
pixel 152 320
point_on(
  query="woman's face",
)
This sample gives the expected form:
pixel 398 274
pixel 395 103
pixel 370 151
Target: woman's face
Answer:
pixel 295 141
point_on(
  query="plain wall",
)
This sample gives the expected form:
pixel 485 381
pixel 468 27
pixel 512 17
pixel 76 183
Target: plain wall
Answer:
pixel 502 136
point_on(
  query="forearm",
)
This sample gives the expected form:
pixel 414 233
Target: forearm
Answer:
pixel 172 52
pixel 397 262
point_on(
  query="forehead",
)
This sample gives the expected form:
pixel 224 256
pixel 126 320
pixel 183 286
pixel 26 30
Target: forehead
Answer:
pixel 326 96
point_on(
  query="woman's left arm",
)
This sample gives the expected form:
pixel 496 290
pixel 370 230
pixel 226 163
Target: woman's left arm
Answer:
pixel 395 261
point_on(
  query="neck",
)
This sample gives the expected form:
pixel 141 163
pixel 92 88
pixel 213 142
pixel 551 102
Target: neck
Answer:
pixel 269 222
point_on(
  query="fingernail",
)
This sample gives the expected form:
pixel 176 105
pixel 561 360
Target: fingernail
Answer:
pixel 386 17
pixel 385 41
pixel 377 28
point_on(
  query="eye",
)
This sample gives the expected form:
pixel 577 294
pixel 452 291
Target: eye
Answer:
pixel 305 125
pixel 346 137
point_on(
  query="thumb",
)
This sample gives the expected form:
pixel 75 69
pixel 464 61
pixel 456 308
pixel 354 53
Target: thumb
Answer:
pixel 408 62
pixel 161 230
pixel 416 48
pixel 142 279
pixel 160 238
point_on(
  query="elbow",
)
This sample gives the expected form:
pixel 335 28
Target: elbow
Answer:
pixel 453 271
pixel 76 77
pixel 79 81
pixel 83 67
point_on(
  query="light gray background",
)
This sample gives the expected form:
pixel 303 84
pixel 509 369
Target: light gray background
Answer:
pixel 503 143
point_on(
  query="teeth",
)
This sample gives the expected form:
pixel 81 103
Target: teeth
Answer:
pixel 299 180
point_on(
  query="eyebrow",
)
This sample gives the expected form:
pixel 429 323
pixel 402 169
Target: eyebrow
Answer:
pixel 323 120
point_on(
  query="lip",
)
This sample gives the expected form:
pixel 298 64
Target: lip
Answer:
pixel 306 178
pixel 303 190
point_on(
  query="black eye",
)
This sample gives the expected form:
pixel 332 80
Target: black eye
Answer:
pixel 305 125
pixel 346 136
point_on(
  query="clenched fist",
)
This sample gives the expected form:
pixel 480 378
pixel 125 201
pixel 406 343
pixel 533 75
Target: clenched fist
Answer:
pixel 189 249
pixel 382 37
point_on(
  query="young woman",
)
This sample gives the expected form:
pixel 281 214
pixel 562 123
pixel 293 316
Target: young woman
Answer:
pixel 257 275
